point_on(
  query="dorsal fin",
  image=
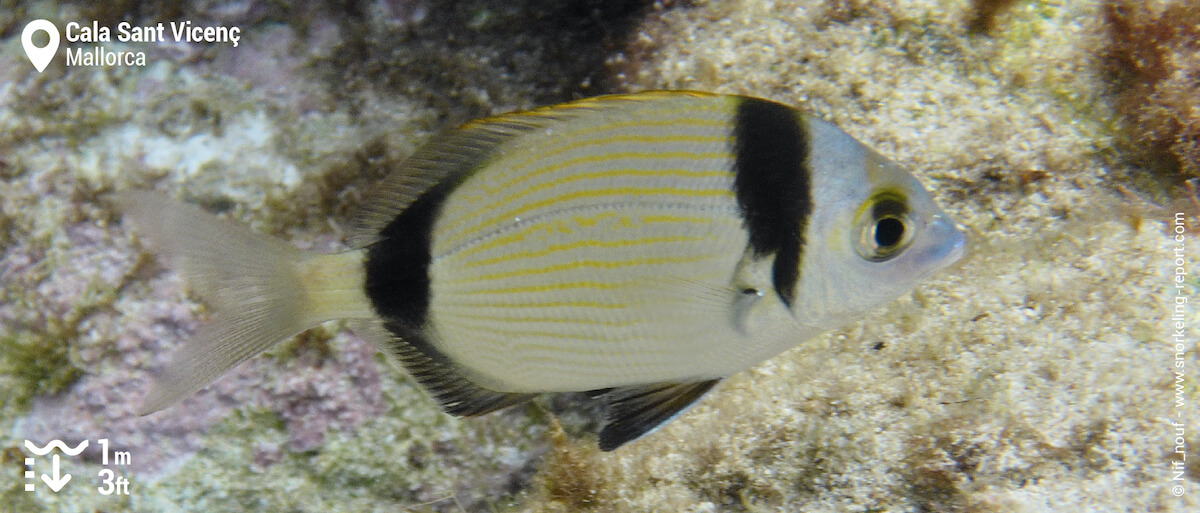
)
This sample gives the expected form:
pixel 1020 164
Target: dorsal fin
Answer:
pixel 448 156
pixel 456 394
pixel 634 412
pixel 454 154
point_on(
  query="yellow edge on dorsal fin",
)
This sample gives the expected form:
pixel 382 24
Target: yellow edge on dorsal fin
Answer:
pixel 453 155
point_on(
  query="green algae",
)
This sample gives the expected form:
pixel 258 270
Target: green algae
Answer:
pixel 978 399
pixel 412 456
pixel 31 365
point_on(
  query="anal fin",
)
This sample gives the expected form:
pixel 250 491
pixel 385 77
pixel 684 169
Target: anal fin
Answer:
pixel 634 412
pixel 456 394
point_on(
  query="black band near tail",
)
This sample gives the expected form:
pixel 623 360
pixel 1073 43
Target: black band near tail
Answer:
pixel 398 263
pixel 772 183
pixel 399 286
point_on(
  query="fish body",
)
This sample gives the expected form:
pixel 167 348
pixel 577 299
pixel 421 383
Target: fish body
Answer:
pixel 638 247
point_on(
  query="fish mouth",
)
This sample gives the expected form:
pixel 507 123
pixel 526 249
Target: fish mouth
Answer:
pixel 957 245
pixel 945 243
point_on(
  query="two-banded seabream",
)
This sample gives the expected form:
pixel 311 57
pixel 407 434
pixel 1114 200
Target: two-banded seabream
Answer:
pixel 638 247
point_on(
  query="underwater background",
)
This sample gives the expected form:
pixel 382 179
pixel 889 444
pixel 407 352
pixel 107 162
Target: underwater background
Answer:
pixel 1043 373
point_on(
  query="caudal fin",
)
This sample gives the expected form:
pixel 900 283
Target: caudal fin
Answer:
pixel 261 290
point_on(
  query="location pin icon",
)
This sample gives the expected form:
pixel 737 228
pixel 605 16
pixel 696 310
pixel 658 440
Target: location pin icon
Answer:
pixel 40 57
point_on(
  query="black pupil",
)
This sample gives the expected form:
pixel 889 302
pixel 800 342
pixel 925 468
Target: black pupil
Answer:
pixel 888 232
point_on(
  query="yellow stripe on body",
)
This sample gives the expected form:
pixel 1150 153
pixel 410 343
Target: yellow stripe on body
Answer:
pixel 587 243
pixel 506 329
pixel 612 174
pixel 605 346
pixel 581 264
pixel 598 246
pixel 548 263
pixel 689 135
pixel 529 229
pixel 535 305
pixel 703 176
pixel 602 326
pixel 617 196
pixel 564 285
pixel 570 319
pixel 533 319
pixel 714 140
pixel 573 356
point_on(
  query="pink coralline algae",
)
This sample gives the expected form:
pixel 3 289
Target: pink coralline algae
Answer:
pixel 315 394
pixel 119 345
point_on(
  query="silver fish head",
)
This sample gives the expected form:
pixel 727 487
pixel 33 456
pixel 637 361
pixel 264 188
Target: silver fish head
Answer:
pixel 874 237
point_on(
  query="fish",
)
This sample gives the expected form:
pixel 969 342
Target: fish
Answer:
pixel 637 248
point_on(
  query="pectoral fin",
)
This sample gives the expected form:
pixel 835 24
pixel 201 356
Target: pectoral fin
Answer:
pixel 634 412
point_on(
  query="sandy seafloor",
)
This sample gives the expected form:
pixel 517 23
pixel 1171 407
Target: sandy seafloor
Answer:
pixel 1037 375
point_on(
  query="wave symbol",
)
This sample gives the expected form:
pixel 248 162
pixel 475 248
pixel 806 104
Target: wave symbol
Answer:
pixel 42 451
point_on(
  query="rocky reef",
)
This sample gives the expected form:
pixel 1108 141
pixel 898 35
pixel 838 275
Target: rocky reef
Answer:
pixel 1037 375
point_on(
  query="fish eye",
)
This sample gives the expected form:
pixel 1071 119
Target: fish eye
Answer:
pixel 889 231
pixel 885 228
